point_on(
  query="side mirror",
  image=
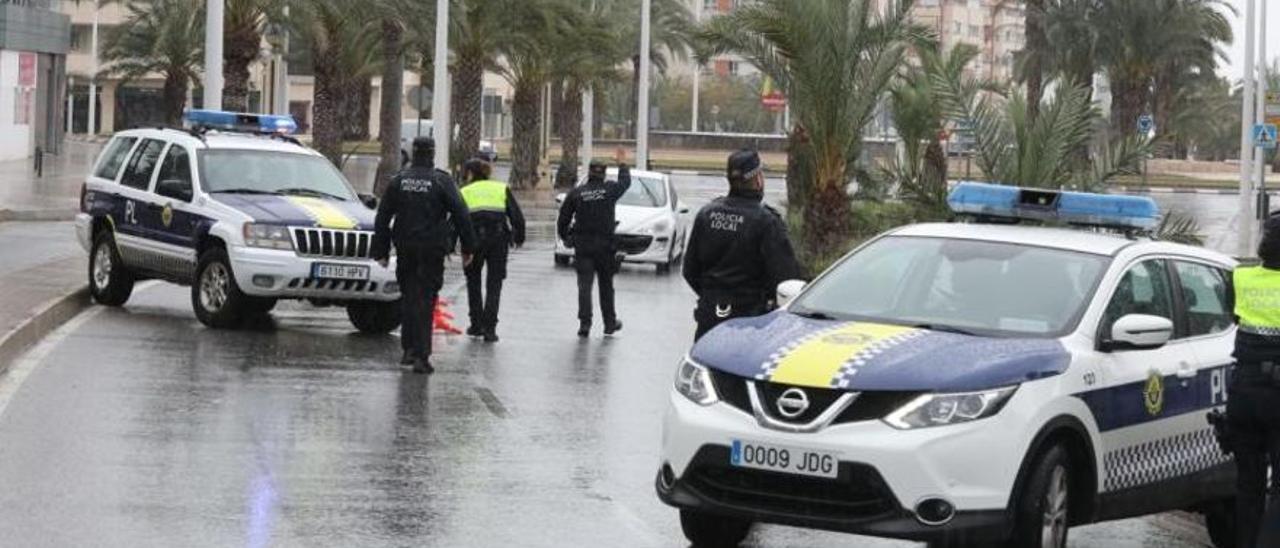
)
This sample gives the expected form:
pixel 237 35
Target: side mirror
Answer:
pixel 1139 332
pixel 560 198
pixel 175 188
pixel 788 290
pixel 369 200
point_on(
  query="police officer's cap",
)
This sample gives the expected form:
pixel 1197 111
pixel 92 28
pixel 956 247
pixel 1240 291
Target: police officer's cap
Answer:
pixel 597 168
pixel 424 145
pixel 743 166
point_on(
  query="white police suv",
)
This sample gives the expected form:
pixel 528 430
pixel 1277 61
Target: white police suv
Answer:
pixel 238 210
pixel 966 384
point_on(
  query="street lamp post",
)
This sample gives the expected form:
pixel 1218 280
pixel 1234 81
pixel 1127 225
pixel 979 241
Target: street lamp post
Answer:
pixel 93 73
pixel 213 54
pixel 1262 109
pixel 1246 225
pixel 697 73
pixel 642 117
pixel 441 129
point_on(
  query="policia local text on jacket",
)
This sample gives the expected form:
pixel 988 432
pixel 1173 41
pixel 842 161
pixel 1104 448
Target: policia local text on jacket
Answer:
pixel 738 249
pixel 586 224
pixel 1253 403
pixel 499 224
pixel 413 216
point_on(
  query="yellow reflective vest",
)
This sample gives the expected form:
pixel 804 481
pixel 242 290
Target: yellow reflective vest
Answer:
pixel 485 196
pixel 1257 292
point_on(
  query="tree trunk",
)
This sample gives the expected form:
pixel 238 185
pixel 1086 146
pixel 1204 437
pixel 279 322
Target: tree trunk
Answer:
pixel 799 167
pixel 358 96
pixel 327 126
pixel 389 110
pixel 635 99
pixel 1128 100
pixel 526 133
pixel 570 136
pixel 241 50
pixel 468 98
pixel 934 177
pixel 175 98
pixel 1037 45
pixel 827 211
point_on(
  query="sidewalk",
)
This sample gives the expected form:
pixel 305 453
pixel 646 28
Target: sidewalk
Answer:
pixel 53 197
pixel 43 270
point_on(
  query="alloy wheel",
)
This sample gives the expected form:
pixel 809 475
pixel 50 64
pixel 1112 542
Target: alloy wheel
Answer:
pixel 102 267
pixel 1054 527
pixel 214 286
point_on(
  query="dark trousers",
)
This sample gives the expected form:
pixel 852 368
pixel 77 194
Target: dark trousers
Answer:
pixel 490 256
pixel 420 273
pixel 596 264
pixel 1254 420
pixel 713 311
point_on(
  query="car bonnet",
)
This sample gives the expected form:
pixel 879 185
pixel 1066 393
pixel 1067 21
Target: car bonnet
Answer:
pixel 788 349
pixel 301 211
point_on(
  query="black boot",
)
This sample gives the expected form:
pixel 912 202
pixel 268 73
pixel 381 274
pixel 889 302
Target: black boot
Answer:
pixel 491 336
pixel 612 327
pixel 474 330
pixel 423 367
pixel 407 358
pixel 584 329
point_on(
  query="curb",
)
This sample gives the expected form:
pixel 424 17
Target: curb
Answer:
pixel 48 316
pixel 9 215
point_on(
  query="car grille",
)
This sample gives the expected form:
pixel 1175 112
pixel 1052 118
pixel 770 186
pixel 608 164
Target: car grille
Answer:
pixel 324 242
pixel 872 405
pixel 857 493
pixel 632 244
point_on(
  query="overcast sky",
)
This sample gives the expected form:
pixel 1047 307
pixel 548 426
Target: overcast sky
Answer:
pixel 1235 52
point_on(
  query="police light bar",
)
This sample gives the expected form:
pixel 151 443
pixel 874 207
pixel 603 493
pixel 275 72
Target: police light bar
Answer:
pixel 239 121
pixel 1077 208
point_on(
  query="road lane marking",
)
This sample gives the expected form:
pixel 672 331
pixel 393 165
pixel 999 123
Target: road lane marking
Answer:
pixel 492 402
pixel 27 363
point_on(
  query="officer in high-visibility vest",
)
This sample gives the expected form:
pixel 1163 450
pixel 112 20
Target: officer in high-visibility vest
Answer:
pixel 1253 405
pixel 499 225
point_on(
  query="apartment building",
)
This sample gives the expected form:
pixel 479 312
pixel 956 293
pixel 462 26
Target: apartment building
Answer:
pixel 33 46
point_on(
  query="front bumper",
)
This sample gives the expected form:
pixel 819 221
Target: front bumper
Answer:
pixel 884 474
pixel 636 248
pixel 84 230
pixel 283 274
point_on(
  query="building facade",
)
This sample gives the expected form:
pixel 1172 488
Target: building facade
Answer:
pixel 33 48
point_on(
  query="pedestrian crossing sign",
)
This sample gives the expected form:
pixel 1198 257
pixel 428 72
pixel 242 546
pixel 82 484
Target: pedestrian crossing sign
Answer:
pixel 1264 136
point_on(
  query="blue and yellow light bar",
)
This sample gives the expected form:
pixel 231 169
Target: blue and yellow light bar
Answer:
pixel 1077 208
pixel 240 121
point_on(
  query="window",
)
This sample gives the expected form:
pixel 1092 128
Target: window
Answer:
pixel 174 180
pixel 261 171
pixel 142 164
pixel 113 158
pixel 1204 293
pixel 1144 289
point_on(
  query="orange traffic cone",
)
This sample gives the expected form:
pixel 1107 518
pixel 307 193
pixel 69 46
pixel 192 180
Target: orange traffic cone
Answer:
pixel 441 318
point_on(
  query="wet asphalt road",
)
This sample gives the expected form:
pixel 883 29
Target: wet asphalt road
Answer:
pixel 139 427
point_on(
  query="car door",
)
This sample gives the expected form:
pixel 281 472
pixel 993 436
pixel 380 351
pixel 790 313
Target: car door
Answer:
pixel 134 234
pixel 171 219
pixel 1143 407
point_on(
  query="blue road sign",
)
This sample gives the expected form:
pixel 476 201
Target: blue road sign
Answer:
pixel 1264 136
pixel 1146 123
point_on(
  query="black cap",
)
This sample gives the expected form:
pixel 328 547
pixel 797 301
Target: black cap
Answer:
pixel 743 165
pixel 597 168
pixel 1269 247
pixel 424 144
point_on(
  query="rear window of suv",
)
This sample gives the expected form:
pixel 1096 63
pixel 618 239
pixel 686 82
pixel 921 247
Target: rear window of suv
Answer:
pixel 113 158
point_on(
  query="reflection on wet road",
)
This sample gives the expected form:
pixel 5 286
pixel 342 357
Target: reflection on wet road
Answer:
pixel 139 427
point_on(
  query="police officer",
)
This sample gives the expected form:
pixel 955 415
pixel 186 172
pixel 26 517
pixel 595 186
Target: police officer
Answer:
pixel 1253 406
pixel 586 224
pixel 421 201
pixel 499 225
pixel 738 249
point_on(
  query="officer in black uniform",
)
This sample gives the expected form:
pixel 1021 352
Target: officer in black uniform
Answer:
pixel 1253 405
pixel 738 250
pixel 422 201
pixel 586 224
pixel 499 225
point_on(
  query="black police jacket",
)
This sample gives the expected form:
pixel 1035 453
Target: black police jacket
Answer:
pixel 739 250
pixel 496 224
pixel 587 217
pixel 423 202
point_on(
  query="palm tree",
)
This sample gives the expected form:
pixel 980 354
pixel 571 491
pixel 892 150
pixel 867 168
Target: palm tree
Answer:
pixel 529 52
pixel 244 23
pixel 164 37
pixel 393 47
pixel 834 60
pixel 342 44
pixel 582 61
pixel 1037 41
pixel 478 31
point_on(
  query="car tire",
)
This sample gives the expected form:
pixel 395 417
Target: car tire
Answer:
pixel 712 531
pixel 562 260
pixel 1042 511
pixel 1220 523
pixel 215 296
pixel 374 318
pixel 110 282
pixel 259 306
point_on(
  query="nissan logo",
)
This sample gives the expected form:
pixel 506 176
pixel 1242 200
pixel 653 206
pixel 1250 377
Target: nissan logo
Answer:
pixel 793 403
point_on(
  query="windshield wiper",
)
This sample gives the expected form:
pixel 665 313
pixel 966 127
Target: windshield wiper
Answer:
pixel 944 328
pixel 310 192
pixel 813 314
pixel 240 191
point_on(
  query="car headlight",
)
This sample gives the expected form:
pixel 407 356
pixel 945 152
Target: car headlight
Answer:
pixel 946 409
pixel 694 381
pixel 267 236
pixel 657 228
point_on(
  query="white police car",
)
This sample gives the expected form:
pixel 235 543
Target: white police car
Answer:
pixel 239 211
pixel 653 225
pixel 965 384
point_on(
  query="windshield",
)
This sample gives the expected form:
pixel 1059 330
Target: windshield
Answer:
pixel 268 172
pixel 987 288
pixel 645 192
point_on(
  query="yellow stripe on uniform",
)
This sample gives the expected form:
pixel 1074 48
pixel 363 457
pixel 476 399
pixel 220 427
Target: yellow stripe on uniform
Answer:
pixel 817 362
pixel 323 213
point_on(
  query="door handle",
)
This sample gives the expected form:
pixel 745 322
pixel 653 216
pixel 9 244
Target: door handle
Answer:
pixel 1186 372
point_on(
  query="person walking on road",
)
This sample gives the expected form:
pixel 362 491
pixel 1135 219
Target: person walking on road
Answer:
pixel 499 225
pixel 586 224
pixel 739 250
pixel 1253 416
pixel 416 208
